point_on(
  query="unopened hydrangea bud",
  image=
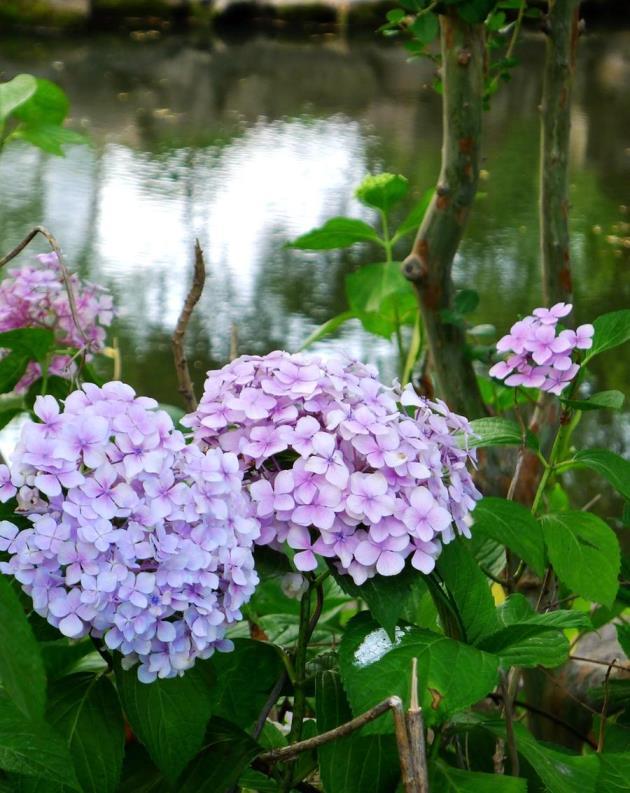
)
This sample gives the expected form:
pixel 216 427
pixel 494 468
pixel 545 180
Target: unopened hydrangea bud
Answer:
pixel 293 585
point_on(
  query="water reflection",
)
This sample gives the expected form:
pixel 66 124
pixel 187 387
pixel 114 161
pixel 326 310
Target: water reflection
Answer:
pixel 246 146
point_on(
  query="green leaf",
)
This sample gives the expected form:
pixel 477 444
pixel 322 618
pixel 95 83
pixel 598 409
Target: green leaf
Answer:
pixel 336 233
pixel 623 637
pixel 584 552
pixel 446 779
pixel 15 93
pixel 610 465
pixel 328 327
pixel 613 773
pixel 381 297
pixel 559 771
pixel 470 590
pixel 84 708
pixel 168 716
pixel 374 668
pixel 139 774
pixel 49 137
pixel 612 400
pixel 354 764
pixel 226 753
pixel 12 367
pixel 238 695
pixel 425 28
pixel 387 597
pixel 611 330
pixel 382 191
pixel 497 431
pixel 511 524
pixel 32 748
pixel 34 342
pixel 47 105
pixel 466 301
pixel 61 655
pixel 413 220
pixel 21 666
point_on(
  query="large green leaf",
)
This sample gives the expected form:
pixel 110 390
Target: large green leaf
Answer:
pixel 36 343
pixel 611 400
pixel 84 708
pixel 611 330
pixel 446 779
pixel 336 233
pixel 47 105
pixel 613 773
pixel 381 297
pixel 49 137
pixel 355 764
pixel 15 93
pixel 373 667
pixel 610 465
pixel 469 589
pixel 169 716
pixel 226 753
pixel 584 552
pixel 386 596
pixel 382 191
pixel 33 749
pixel 239 693
pixel 511 524
pixel 527 638
pixel 21 666
pixel 497 431
pixel 11 370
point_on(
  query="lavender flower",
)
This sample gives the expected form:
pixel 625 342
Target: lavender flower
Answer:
pixel 36 296
pixel 339 466
pixel 135 537
pixel 538 355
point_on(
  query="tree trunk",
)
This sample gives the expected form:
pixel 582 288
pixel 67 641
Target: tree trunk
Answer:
pixel 430 262
pixel 562 36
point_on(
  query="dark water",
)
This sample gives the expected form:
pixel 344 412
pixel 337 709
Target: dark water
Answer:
pixel 246 145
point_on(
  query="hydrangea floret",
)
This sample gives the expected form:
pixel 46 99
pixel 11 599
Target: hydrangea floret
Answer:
pixel 539 350
pixel 35 296
pixel 338 465
pixel 133 535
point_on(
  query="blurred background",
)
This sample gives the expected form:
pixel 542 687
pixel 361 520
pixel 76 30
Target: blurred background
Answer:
pixel 246 125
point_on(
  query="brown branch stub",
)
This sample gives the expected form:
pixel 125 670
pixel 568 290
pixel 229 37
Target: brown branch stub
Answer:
pixel 192 298
pixel 415 730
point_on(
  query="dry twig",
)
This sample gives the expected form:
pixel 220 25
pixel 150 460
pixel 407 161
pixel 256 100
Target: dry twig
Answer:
pixel 179 354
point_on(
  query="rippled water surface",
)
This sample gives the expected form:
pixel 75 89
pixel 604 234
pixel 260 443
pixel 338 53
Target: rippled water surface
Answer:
pixel 247 145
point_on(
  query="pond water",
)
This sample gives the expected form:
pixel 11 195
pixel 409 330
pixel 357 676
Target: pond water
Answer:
pixel 248 144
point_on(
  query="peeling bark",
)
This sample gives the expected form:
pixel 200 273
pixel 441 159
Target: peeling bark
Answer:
pixel 430 262
pixel 562 36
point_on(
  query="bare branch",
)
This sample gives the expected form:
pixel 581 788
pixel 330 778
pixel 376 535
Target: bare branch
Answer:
pixel 290 752
pixel 50 239
pixel 602 723
pixel 179 354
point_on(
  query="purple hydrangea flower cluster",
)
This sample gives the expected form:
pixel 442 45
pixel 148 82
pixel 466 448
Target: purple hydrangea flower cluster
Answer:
pixel 338 464
pixel 539 351
pixel 35 296
pixel 136 537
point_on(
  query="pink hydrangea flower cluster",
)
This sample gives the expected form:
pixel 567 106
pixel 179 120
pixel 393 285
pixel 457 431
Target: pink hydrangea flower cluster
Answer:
pixel 539 351
pixel 36 297
pixel 135 537
pixel 339 465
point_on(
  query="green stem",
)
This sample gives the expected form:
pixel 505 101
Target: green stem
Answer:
pixel 414 350
pixel 389 260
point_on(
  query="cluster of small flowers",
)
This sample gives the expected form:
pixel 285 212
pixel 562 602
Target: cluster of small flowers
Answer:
pixel 339 465
pixel 36 297
pixel 136 537
pixel 538 355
